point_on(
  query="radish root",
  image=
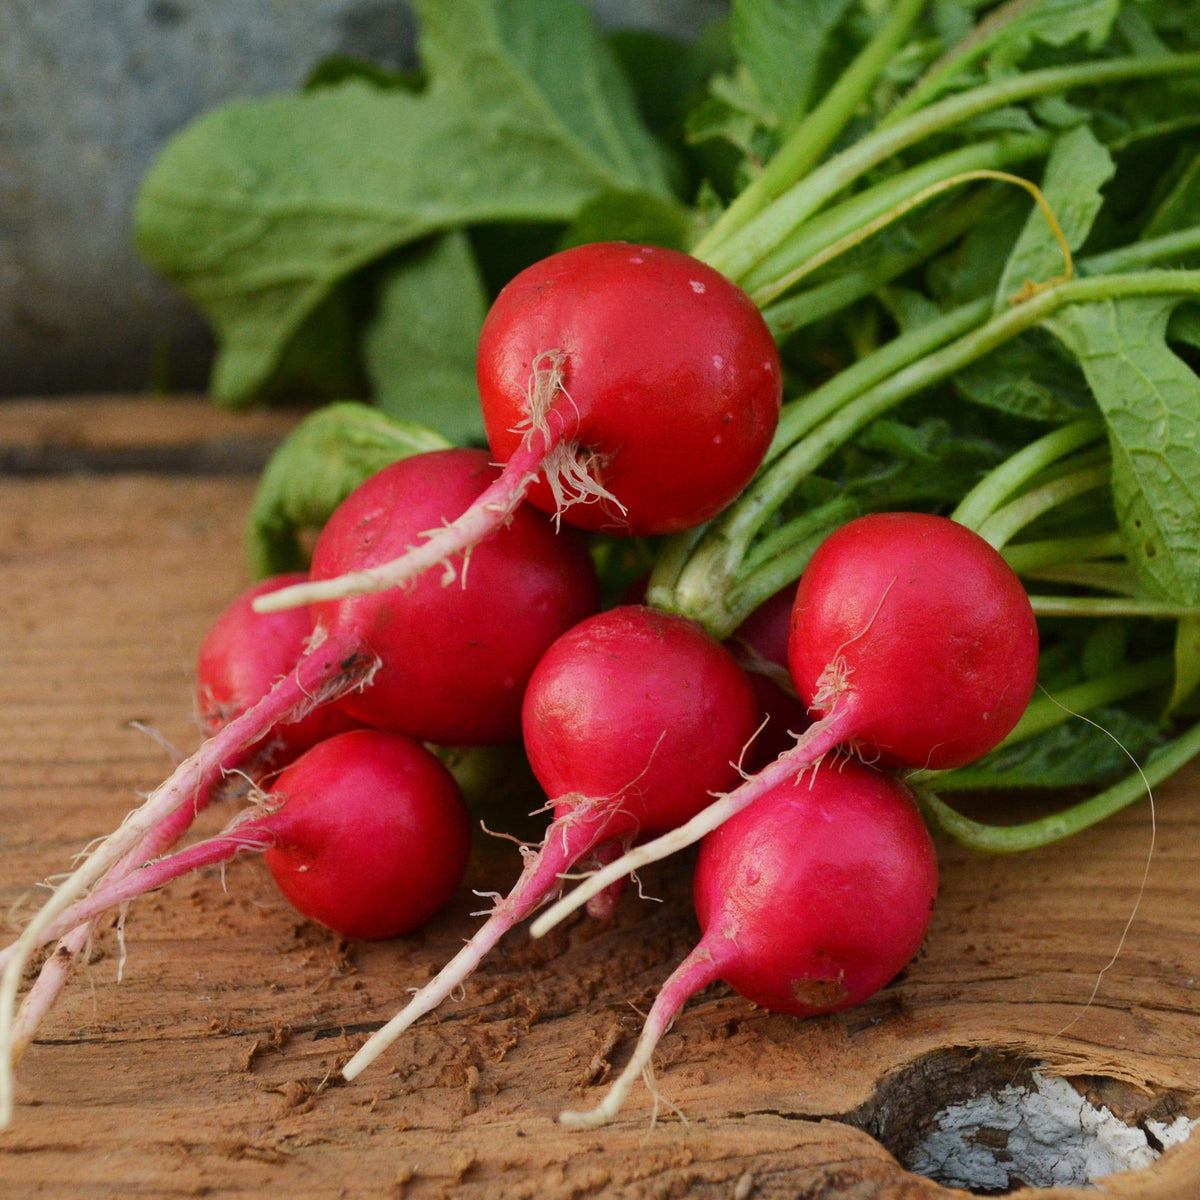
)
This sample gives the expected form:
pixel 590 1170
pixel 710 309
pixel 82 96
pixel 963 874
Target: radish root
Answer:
pixel 697 971
pixel 820 737
pixel 314 681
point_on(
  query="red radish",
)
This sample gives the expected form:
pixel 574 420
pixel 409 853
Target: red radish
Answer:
pixel 456 657
pixel 760 644
pixel 436 663
pixel 626 388
pixel 631 718
pixel 372 837
pixel 809 901
pixel 244 654
pixel 912 641
pixel 366 833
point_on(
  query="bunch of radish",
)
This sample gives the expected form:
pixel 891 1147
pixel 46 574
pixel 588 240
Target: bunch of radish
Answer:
pixel 913 644
pixel 633 391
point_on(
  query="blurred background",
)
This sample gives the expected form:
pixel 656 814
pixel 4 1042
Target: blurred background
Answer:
pixel 89 91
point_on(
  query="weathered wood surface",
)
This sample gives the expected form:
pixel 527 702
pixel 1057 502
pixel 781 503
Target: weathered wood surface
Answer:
pixel 208 1070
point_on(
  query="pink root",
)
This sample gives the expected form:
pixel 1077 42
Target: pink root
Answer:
pixel 567 840
pixel 817 740
pixel 695 973
pixel 318 677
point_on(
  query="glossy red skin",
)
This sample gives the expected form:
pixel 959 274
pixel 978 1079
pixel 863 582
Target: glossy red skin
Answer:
pixel 372 837
pixel 819 892
pixel 456 657
pixel 936 633
pixel 639 704
pixel 762 638
pixel 241 657
pixel 671 368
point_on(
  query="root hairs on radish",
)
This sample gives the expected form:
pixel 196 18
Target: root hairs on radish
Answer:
pixel 314 679
pixel 365 833
pixel 809 901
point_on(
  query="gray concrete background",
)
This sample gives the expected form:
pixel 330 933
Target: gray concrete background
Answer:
pixel 89 90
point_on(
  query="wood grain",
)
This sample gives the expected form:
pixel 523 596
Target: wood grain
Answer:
pixel 209 1068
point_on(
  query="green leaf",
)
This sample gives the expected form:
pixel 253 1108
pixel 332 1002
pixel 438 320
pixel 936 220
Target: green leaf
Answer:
pixel 781 44
pixel 668 76
pixel 1187 661
pixel 1078 167
pixel 322 360
pixel 1002 40
pixel 315 468
pixel 897 465
pixel 632 217
pixel 1054 23
pixel 973 267
pixel 1143 21
pixel 1180 207
pixel 1184 326
pixel 733 113
pixel 337 69
pixel 1027 377
pixel 259 209
pixel 419 347
pixel 545 63
pixel 1075 754
pixel 1150 399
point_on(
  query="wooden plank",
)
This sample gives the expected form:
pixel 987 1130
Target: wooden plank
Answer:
pixel 185 434
pixel 210 1067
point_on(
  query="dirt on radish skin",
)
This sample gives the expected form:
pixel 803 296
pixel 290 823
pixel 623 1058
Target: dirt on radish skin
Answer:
pixel 630 720
pixel 809 901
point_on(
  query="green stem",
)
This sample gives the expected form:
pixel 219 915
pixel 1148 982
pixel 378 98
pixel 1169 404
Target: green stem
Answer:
pixel 802 416
pixel 738 254
pixel 1008 521
pixel 1116 577
pixel 1111 606
pixel 1012 474
pixel 697 580
pixel 818 131
pixel 864 406
pixel 717 559
pixel 669 563
pixel 861 406
pixel 1007 839
pixel 959 58
pixel 1047 712
pixel 790 313
pixel 776 560
pixel 1139 255
pixel 1032 556
pixel 850 223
